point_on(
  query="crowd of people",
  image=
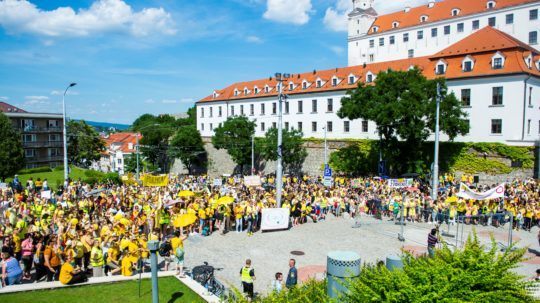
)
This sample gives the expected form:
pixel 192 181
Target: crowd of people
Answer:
pixel 81 230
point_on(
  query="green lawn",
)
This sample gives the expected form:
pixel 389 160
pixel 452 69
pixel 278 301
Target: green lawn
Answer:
pixel 170 291
pixel 55 178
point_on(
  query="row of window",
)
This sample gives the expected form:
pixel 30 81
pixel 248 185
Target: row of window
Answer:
pixel 300 126
pixel 496 96
pixel 497 125
pixel 460 28
pixel 51 152
pixel 262 108
pixel 33 138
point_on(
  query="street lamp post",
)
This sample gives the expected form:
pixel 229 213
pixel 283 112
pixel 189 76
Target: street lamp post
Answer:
pixel 66 168
pixel 325 149
pixel 435 183
pixel 137 151
pixel 279 170
pixel 253 154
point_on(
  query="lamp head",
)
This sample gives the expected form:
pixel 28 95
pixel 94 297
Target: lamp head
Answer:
pixel 72 84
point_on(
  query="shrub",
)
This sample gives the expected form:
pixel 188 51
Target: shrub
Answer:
pixel 44 169
pixel 112 177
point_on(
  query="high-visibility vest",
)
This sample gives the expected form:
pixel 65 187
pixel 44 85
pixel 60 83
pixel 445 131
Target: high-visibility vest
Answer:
pixel 246 277
pixel 96 259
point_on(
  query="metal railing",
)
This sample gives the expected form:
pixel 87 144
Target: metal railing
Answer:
pixel 39 129
pixel 37 144
pixel 37 159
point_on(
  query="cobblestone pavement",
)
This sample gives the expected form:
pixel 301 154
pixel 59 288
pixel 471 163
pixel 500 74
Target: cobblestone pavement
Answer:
pixel 373 240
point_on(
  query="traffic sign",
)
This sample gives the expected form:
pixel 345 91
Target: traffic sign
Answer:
pixel 327 171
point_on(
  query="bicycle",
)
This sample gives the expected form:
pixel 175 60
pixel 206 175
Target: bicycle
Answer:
pixel 204 275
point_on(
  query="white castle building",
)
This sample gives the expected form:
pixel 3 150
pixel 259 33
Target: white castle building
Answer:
pixel 487 50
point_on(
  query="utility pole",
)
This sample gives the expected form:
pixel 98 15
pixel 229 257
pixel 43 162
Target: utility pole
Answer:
pixel 279 170
pixel 435 183
pixel 252 154
pixel 325 149
pixel 137 136
pixel 66 168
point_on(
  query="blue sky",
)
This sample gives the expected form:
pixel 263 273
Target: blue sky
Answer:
pixel 159 56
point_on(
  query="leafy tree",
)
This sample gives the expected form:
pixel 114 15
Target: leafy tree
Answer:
pixel 357 159
pixel 235 136
pixel 156 131
pixel 11 149
pixel 187 145
pixel 294 152
pixel 130 163
pixel 473 274
pixel 84 144
pixel 402 104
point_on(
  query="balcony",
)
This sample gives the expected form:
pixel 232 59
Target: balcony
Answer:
pixel 43 159
pixel 37 129
pixel 38 144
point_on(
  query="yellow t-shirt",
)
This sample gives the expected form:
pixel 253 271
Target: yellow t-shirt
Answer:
pixel 176 242
pixel 127 265
pixel 66 273
pixel 112 254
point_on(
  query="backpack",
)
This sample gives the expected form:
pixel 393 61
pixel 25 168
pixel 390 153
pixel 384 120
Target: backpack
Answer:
pixel 165 249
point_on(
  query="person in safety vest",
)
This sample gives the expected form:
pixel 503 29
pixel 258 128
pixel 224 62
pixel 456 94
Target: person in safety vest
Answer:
pixel 96 259
pixel 248 276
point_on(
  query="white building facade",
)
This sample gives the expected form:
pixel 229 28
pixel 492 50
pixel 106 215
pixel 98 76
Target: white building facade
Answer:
pixel 425 30
pixel 494 74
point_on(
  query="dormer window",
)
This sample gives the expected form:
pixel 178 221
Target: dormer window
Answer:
pixel 467 64
pixel 319 83
pixel 235 92
pixel 304 85
pixel 375 29
pixel 455 12
pixel 369 77
pixel 491 4
pixel 529 61
pixel 215 95
pixel 497 61
pixel 423 18
pixel 334 81
pixel 440 69
pixel 291 86
pixel 395 24
pixel 352 79
pixel 256 90
pixel 245 91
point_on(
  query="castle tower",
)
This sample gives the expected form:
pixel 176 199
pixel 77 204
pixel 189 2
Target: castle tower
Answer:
pixel 360 20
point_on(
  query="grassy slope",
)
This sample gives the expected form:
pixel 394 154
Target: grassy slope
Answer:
pixel 53 177
pixel 170 290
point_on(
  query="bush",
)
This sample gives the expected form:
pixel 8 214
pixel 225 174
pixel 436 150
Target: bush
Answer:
pixel 472 274
pixel 44 169
pixel 112 177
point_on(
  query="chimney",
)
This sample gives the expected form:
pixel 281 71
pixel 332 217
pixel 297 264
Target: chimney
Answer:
pixel 431 3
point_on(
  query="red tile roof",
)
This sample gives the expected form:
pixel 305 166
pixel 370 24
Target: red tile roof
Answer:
pixel 485 40
pixel 8 108
pixel 121 141
pixel 440 11
pixel 482 52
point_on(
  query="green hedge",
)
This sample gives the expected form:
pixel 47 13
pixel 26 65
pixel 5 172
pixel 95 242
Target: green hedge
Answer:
pixel 360 157
pixel 44 169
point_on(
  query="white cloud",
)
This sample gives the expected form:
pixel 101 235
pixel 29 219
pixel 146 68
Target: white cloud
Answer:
pixel 150 101
pixel 101 17
pixel 338 50
pixel 288 11
pixel 169 101
pixel 60 93
pixel 254 39
pixel 335 17
pixel 36 100
pixel 187 100
pixel 3 98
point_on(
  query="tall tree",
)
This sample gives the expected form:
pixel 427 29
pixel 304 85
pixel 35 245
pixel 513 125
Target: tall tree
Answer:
pixel 402 104
pixel 11 149
pixel 84 144
pixel 187 145
pixel 293 150
pixel 156 132
pixel 235 136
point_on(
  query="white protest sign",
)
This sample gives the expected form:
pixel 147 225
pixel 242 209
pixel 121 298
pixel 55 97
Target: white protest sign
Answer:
pixel 46 194
pixel 494 193
pixel 252 181
pixel 3 186
pixel 399 183
pixel 217 182
pixel 274 218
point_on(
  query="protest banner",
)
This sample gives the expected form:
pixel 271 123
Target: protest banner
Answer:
pixel 156 181
pixel 46 194
pixel 218 182
pixel 400 183
pixel 356 183
pixel 252 181
pixel 274 219
pixel 494 193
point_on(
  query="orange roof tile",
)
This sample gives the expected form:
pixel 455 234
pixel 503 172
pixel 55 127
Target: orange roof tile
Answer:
pixel 122 141
pixel 485 40
pixel 440 11
pixel 513 50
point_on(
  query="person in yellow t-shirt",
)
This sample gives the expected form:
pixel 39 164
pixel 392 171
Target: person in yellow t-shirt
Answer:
pixel 238 214
pixel 177 252
pixel 113 262
pixel 70 274
pixel 127 263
